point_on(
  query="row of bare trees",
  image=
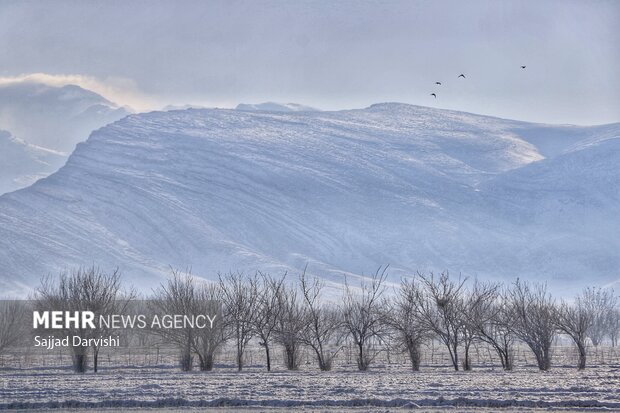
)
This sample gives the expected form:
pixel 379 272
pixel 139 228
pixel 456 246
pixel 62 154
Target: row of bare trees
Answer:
pixel 368 317
pixel 459 315
pixel 275 312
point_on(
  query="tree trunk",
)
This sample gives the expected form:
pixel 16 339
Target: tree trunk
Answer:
pixel 455 357
pixel 414 356
pixel 291 357
pixel 79 362
pixel 507 361
pixel 268 356
pixel 362 365
pixel 504 356
pixel 206 362
pixel 186 355
pixel 547 359
pixel 467 361
pixel 582 356
pixel 324 363
pixel 239 360
pixel 95 358
pixel 239 350
pixel 186 361
pixel 543 359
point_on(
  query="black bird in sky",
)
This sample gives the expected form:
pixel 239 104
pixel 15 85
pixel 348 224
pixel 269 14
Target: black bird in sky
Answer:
pixel 432 94
pixel 438 83
pixel 522 67
pixel 462 75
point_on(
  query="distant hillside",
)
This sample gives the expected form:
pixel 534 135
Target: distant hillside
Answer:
pixel 21 164
pixel 413 187
pixel 46 123
pixel 275 107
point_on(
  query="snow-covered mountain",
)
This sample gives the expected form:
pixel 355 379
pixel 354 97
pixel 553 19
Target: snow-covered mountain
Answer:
pixel 413 187
pixel 168 108
pixel 275 107
pixel 54 117
pixel 45 123
pixel 21 163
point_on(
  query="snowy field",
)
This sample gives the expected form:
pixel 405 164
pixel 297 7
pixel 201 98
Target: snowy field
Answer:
pixel 387 386
pixel 431 387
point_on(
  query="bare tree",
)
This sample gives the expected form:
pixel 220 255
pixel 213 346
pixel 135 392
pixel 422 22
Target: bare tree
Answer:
pixel 600 303
pixel 362 317
pixel 184 295
pixel 475 307
pixel 614 326
pixel 491 319
pixel 576 320
pixel 323 325
pixel 177 296
pixel 534 319
pixel 107 298
pixel 240 296
pixel 403 315
pixel 208 341
pixel 13 323
pixel 84 290
pixel 290 326
pixel 268 310
pixel 441 310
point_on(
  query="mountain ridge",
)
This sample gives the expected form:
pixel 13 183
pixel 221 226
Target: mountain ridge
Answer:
pixel 344 192
pixel 45 123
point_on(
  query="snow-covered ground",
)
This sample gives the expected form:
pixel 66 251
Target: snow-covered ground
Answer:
pixel 397 387
pixel 149 377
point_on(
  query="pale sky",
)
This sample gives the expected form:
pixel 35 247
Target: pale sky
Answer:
pixel 327 54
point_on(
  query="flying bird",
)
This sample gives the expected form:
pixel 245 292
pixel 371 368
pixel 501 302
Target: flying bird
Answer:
pixel 522 67
pixel 438 83
pixel 462 75
pixel 432 94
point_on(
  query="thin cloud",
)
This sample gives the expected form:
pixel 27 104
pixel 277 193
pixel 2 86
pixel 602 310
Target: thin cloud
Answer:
pixel 121 91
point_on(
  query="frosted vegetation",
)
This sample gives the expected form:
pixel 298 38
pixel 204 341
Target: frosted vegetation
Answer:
pixel 291 347
pixel 273 311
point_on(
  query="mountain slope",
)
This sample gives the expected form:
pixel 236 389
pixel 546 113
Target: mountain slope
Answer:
pixel 21 163
pixel 418 188
pixel 566 208
pixel 54 117
pixel 43 125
